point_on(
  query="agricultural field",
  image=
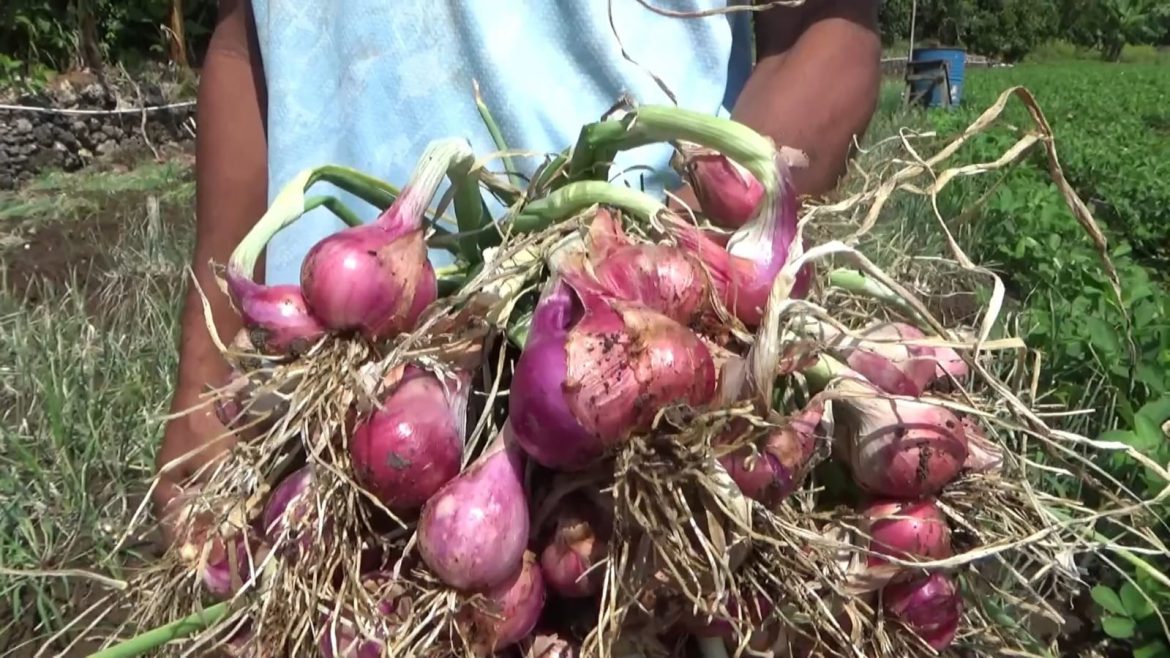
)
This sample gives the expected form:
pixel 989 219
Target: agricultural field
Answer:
pixel 1112 135
pixel 92 276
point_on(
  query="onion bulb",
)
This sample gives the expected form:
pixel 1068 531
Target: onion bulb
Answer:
pixel 412 444
pixel 931 607
pixel 516 604
pixel 579 543
pixel 289 507
pixel 743 273
pixel 593 371
pixel 773 470
pixel 375 278
pixel 472 533
pixel 905 449
pixel 277 318
pixel 906 530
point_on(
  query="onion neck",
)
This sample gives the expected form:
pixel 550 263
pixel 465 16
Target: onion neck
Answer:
pixel 442 157
pixel 766 239
pixel 290 204
pixel 825 370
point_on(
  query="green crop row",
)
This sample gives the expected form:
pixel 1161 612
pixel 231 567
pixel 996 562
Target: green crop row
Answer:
pixel 1112 134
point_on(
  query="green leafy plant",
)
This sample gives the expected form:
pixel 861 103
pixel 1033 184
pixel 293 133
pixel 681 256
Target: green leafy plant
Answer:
pixel 1129 613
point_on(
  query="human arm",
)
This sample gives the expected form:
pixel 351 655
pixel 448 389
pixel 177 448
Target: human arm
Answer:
pixel 230 195
pixel 815 84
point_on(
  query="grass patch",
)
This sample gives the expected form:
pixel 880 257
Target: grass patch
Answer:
pixel 88 364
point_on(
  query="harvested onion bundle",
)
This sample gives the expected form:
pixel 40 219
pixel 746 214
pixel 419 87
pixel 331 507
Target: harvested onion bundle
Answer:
pixel 641 466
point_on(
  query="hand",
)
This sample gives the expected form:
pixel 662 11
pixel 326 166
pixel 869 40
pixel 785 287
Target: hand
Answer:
pixel 191 442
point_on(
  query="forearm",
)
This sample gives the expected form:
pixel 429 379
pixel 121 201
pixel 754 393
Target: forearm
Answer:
pixel 819 93
pixel 231 194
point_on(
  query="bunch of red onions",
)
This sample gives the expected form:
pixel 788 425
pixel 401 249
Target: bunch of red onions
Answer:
pixel 620 333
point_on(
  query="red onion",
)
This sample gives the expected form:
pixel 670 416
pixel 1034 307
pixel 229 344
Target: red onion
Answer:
pixel 907 531
pixel 586 380
pixel 983 454
pixel 224 576
pixel 727 193
pixel 277 318
pixel 895 367
pixel 579 542
pixel 472 533
pixel 549 645
pixel 899 448
pixel 290 506
pixel 517 603
pixel 413 444
pixel 930 607
pixel 743 272
pixel 375 278
pixel 774 470
pixel 660 277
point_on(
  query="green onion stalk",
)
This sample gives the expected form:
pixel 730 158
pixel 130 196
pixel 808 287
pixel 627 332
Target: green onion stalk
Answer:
pixel 187 626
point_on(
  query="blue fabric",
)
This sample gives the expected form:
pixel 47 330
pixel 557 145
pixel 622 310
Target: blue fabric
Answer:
pixel 368 83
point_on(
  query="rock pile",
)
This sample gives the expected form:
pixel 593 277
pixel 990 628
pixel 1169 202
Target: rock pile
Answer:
pixel 31 141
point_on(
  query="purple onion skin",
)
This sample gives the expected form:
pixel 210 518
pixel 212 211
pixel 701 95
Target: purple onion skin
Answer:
pixel 220 580
pixel 473 532
pixel 404 451
pixel 277 318
pixel 290 502
pixel 519 601
pixel 368 279
pixel 930 607
pixel 537 409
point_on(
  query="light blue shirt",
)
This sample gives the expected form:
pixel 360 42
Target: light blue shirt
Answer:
pixel 368 83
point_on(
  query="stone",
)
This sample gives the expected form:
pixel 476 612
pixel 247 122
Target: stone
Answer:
pixel 106 147
pixel 43 133
pixel 22 125
pixel 84 154
pixel 93 93
pixel 78 126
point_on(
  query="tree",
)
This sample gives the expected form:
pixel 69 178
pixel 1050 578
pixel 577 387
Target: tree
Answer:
pixel 1108 25
pixel 1005 28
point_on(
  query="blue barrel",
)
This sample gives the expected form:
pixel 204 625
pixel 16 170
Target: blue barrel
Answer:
pixel 955 60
